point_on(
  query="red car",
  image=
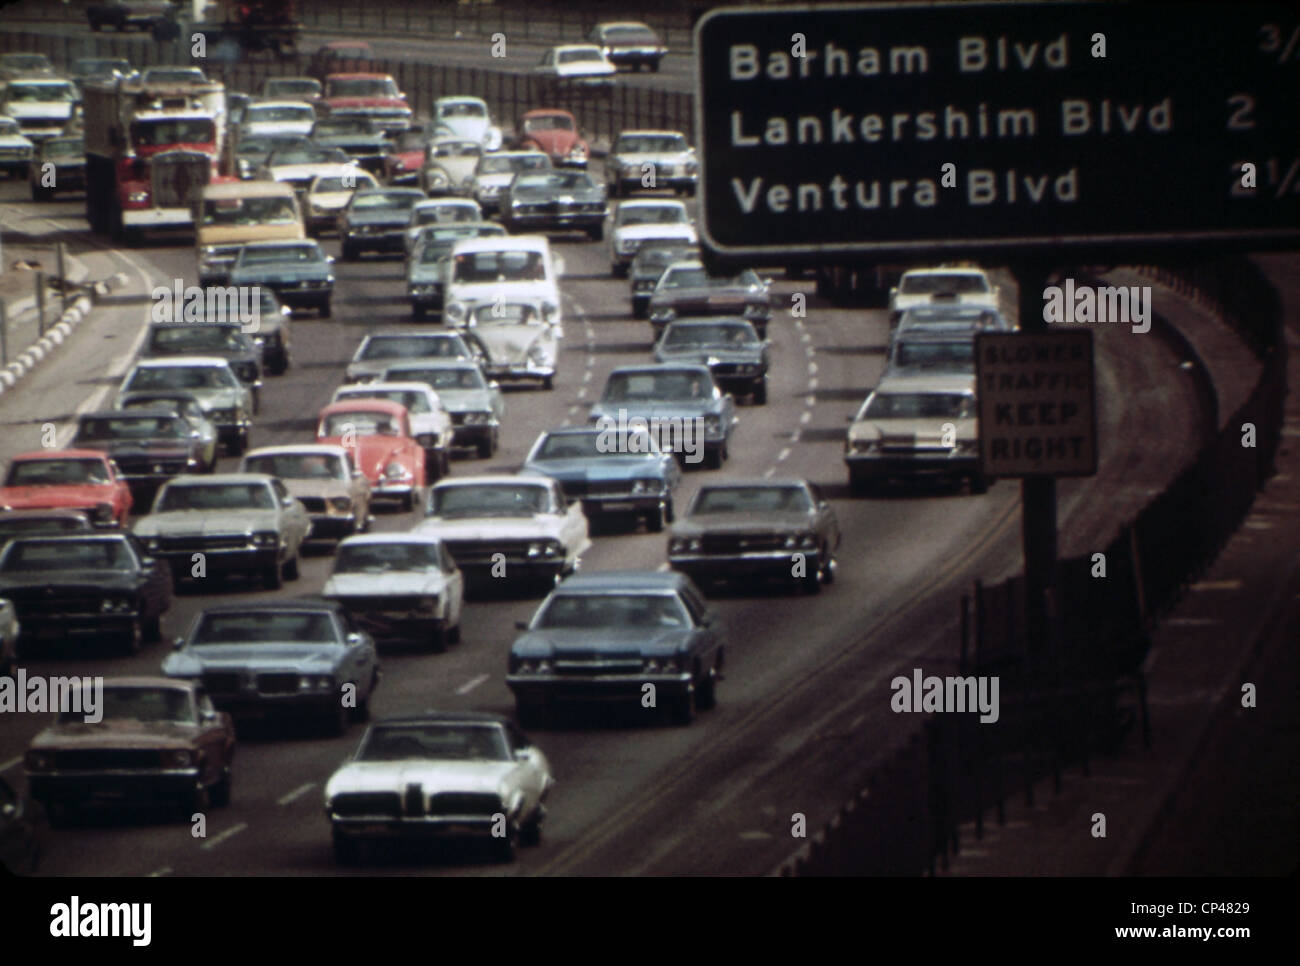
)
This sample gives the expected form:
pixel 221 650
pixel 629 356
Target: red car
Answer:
pixel 379 434
pixel 69 479
pixel 554 133
pixel 402 166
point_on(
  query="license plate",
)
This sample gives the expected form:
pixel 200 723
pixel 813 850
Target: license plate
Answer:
pixel 108 794
pixel 617 507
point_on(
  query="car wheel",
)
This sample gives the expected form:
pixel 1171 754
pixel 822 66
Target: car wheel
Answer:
pixel 257 402
pixel 240 444
pixel 859 482
pixel 337 720
pixel 812 581
pixel 548 382
pixel 349 253
pixel 714 458
pixel 198 800
pixel 487 447
pixel 132 639
pixel 272 577
pixel 347 850
pixel 707 697
pixel 669 513
pixel 979 484
pixel 531 833
pixel 681 711
pixel 503 848
pixel 640 310
pixel 153 630
pixel 531 714
pixel 596 232
pixel 291 568
pixel 362 711
pixel 655 520
pixel 760 392
pixel 438 639
pixel 618 270
pixel 417 311
pixel 406 503
pixel 221 790
pixel 828 569
pixel 453 635
pixel 325 309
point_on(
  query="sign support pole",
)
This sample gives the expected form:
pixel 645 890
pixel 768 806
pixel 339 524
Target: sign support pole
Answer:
pixel 1037 493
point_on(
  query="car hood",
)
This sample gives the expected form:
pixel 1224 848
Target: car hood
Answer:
pixel 498 180
pixel 398 218
pixel 663 409
pixel 251 128
pixel 607 641
pixel 330 199
pixel 703 355
pixel 25 109
pixel 271 656
pixel 465 400
pixel 273 273
pixel 84 494
pixel 537 526
pixel 206 522
pixel 553 141
pixel 351 103
pixel 235 235
pixel 775 522
pixel 657 232
pixel 467 128
pixel 153 448
pixel 917 431
pixel 432 776
pixel 115 734
pixel 324 488
pixel 709 296
pixel 302 172
pixel 639 158
pixel 390 583
pixel 373 453
pixel 509 343
pixel 75 583
pixel 597 468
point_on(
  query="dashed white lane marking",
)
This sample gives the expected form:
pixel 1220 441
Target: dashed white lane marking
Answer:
pixel 1216 585
pixel 812 383
pixel 573 410
pixel 582 392
pixel 297 793
pixel 810 401
pixel 769 472
pixel 857 722
pixel 471 684
pixel 165 870
pixel 812 368
pixel 805 336
pixel 663 566
pixel 586 376
pixel 755 835
pixel 806 417
pixel 5 766
pixel 229 833
pixel 780 457
pixel 1192 621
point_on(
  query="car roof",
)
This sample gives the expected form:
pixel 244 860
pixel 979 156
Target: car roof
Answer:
pixel 280 102
pixel 367 405
pixel 441 334
pixel 183 362
pixel 491 479
pixel 359 389
pixel 138 411
pixel 146 681
pixel 460 99
pixel 622 580
pixel 531 243
pixel 284 603
pixel 432 362
pixel 650 131
pixel 546 112
pixel 317 449
pixel 219 478
pixel 284 243
pixel 98 533
pixel 662 367
pixel 440 202
pixel 651 203
pixel 57 512
pixel 400 536
pixel 936 382
pixel 559 47
pixel 690 321
pixel 753 483
pixel 359 75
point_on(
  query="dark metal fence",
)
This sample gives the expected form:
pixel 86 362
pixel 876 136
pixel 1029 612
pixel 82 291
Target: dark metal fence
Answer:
pixel 1062 704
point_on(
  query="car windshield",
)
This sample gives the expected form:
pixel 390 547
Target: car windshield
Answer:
pixel 438 241
pixel 958 355
pixel 25 62
pixel 9 128
pixel 630 35
pixel 281 254
pixel 520 162
pixel 360 422
pixel 583 611
pixel 265 627
pixel 415 402
pixel 671 384
pixel 97 554
pixel 140 704
pixel 216 496
pixel 934 283
pixel 572 446
pixel 147 134
pixel 378 558
pixel 91 66
pixel 162 75
pixel 720 334
pixel 920 405
pixel 298 466
pixel 180 405
pixel 462 109
pixel 555 181
pixel 490 500
pixel 656 258
pixel 499 266
pixel 751 499
pixel 505 313
pixel 334 126
pixel 451 377
pixel 198 339
pixel 577 55
pixel 40 92
pixel 413 346
pixel 354 182
pixel 650 144
pixel 56 472
pixel 457 149
pixel 307 153
pixel 430 214
pixel 384 199
pixel 183 377
pixel 15 523
pixel 292 87
pixel 549 122
pixel 362 87
pixel 651 215
pixel 260 144
pixel 63 148
pixel 249 211
pixel 435 742
pixel 257 113
pixel 101 429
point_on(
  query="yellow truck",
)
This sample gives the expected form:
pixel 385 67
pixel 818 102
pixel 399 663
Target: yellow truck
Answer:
pixel 233 213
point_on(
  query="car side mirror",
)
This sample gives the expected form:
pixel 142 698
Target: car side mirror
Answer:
pixel 10 809
pixel 178 643
pixel 330 259
pixel 523 754
pixel 353 638
pixel 209 717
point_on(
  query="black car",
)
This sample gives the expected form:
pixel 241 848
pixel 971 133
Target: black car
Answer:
pixel 687 288
pixel 149 446
pixel 554 201
pixel 15 523
pixel 359 138
pixel 252 152
pixel 66 171
pixel 225 340
pixel 24 831
pixel 731 348
pixel 648 265
pixel 85 586
pixel 376 220
pixel 605 636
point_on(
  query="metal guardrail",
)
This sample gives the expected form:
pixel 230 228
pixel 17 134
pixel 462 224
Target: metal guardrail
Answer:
pixel 1062 705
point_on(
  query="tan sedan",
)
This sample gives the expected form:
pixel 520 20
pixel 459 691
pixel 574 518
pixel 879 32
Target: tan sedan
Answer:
pixel 324 479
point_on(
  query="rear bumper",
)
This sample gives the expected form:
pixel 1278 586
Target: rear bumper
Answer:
pixel 543 688
pixel 114 787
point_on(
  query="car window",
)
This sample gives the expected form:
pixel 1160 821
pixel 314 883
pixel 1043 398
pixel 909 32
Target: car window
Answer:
pixel 57 472
pixel 215 496
pixel 264 627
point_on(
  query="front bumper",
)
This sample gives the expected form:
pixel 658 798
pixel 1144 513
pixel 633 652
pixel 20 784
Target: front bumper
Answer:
pixel 766 563
pixel 396 624
pixel 229 432
pixel 556 220
pixel 385 240
pixel 415 826
pixel 117 786
pixel 331 525
pixel 221 561
pixel 472 435
pixel 889 466
pixel 297 296
pixel 157 218
pixel 57 625
pixel 426 300
pixel 543 688
pixel 252 704
pixel 518 371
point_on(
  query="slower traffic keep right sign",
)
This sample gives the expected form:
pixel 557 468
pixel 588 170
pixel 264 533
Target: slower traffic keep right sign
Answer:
pixel 1037 410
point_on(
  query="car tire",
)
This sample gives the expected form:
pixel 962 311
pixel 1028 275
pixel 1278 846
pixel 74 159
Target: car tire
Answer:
pixel 859 482
pixel 811 582
pixel 272 577
pixel 325 309
pixel 238 447
pixel 655 520
pixel 132 640
pixel 347 849
pixel 531 715
pixel 828 571
pixel 487 448
pixel 618 270
pixel 406 502
pixel 548 382
pixel 336 721
pixel 640 310
pixel 681 710
pixel 706 697
pixel 418 312
pixel 714 458
pixel 198 800
pixel 349 253
pixel 361 712
pixel 438 639
pixel 503 848
pixel 596 232
pixel 760 392
pixel 453 635
pixel 979 484
pixel 221 791
pixel 153 630
pixel 530 834
pixel 669 513
pixel 292 571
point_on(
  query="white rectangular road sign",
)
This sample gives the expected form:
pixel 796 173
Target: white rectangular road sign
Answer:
pixel 1036 404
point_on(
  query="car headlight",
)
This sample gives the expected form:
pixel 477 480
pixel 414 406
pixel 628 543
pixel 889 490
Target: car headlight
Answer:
pixel 152 544
pixel 114 605
pixel 38 761
pixel 423 288
pixel 341 503
pixel 177 758
pixel 579 151
pixel 477 419
pixel 866 446
pixel 545 548
pixel 712 423
pixel 626 246
pixel 137 197
pixel 456 312
pixel 808 540
pixel 489 190
pixel 646 486
pixel 427 604
pixel 692 167
pixel 425 440
pixel 684 545
pixel 662 315
pixel 103 513
pixel 396 471
pixel 266 538
pixel 650 665
pixel 755 311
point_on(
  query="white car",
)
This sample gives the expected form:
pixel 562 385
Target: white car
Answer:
pixel 645 160
pixel 379 350
pixel 448 773
pixel 16 151
pixel 277 119
pixel 165 76
pixel 942 287
pixel 440 211
pixel 494 172
pixel 641 220
pixel 488 271
pixel 582 64
pixel 466 118
pixel 449 164
pixel 329 194
pixel 520 341
pixel 399 586
pixel 430 422
pixel 42 106
pixel 519 529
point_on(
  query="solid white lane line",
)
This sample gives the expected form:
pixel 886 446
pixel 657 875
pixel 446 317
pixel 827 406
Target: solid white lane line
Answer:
pixel 166 869
pixel 471 684
pixel 806 417
pixel 780 457
pixel 297 793
pixel 11 762
pixel 231 832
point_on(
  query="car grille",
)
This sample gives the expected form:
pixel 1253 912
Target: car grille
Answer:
pixel 106 758
pixel 464 803
pixel 221 682
pixel 179 178
pixel 246 371
pixel 277 683
pixel 742 542
pixel 555 207
pixel 597 664
pixel 312 504
pixel 197 544
pixel 35 601
pixel 143 466
pixel 730 368
pixel 388 804
pixel 15 153
pixel 601 488
pixel 475 551
pixel 413 800
pixel 458 419
pixel 379 602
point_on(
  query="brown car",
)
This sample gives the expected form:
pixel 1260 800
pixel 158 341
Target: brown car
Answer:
pixel 143 740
